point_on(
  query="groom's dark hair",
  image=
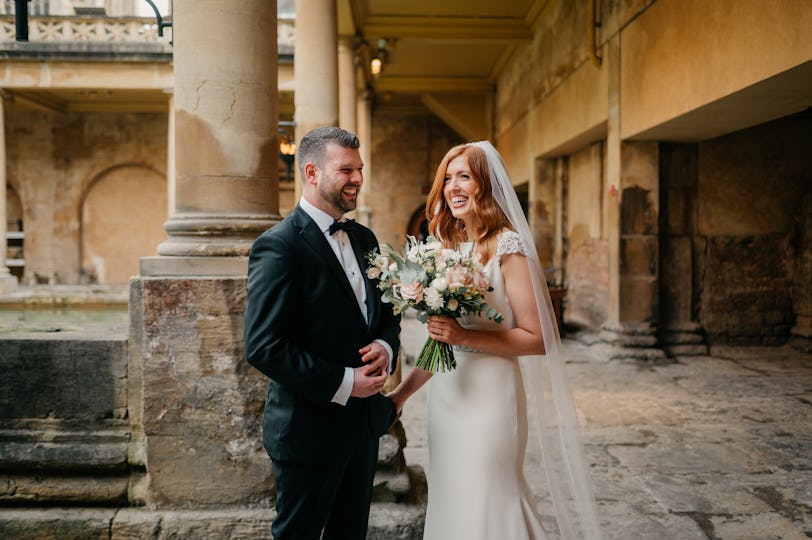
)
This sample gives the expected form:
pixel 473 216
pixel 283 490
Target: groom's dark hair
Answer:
pixel 312 145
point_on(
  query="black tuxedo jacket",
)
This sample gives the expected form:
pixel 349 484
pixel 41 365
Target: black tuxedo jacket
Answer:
pixel 303 326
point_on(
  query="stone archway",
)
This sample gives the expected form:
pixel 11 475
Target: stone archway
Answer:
pixel 418 224
pixel 15 258
pixel 121 220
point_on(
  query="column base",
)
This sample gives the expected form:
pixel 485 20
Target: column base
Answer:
pixel 686 339
pixel 201 402
pixel 633 341
pixel 193 235
pixel 801 334
pixel 190 266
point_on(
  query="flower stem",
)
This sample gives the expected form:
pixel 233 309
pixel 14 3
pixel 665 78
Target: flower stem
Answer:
pixel 436 356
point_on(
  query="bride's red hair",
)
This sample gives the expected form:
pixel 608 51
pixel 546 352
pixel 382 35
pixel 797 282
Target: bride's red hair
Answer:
pixel 490 219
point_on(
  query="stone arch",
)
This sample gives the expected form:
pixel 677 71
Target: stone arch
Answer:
pixel 121 218
pixel 418 224
pixel 14 210
pixel 14 256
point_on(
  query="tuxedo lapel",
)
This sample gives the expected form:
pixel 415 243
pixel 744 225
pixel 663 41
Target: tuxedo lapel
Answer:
pixel 314 239
pixel 358 249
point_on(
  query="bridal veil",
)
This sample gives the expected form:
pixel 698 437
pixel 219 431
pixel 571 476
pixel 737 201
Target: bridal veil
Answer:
pixel 555 446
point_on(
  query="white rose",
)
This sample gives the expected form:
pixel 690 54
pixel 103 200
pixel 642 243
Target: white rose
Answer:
pixel 453 304
pixel 441 284
pixel 433 298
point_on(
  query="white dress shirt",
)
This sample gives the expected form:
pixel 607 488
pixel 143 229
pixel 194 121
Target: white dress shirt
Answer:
pixel 340 243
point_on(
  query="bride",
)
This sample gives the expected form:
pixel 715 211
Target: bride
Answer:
pixel 478 429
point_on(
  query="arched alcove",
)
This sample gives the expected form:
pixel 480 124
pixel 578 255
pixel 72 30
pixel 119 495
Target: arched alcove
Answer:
pixel 14 210
pixel 15 259
pixel 418 224
pixel 122 217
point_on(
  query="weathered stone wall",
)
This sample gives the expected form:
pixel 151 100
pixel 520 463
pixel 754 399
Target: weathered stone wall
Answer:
pixel 588 256
pixel 752 185
pixel 54 161
pixel 405 152
pixel 64 434
pixel 802 277
pixel 202 402
pixel 652 81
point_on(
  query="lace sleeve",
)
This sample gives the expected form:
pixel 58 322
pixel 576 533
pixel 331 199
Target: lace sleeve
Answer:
pixel 510 242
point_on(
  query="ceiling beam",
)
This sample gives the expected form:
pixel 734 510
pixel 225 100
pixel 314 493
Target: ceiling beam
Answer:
pixel 433 84
pixel 467 28
pixel 39 101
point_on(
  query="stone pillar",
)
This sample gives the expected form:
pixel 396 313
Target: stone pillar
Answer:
pixel 201 402
pixel 679 332
pixel 170 158
pixel 315 69
pixel 347 96
pixel 801 334
pixel 224 115
pixel 631 202
pixel 7 281
pixel 364 132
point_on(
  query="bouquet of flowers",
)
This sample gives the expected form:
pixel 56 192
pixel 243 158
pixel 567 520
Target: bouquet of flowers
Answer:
pixel 433 281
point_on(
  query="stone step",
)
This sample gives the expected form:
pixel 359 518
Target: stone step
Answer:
pixel 681 338
pixel 387 521
pixel 686 350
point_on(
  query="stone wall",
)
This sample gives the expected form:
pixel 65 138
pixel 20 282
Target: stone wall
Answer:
pixel 747 290
pixel 405 152
pixel 752 185
pixel 55 161
pixel 64 433
pixel 587 263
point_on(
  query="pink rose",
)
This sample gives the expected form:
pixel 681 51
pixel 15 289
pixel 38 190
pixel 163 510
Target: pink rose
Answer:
pixel 457 278
pixel 481 281
pixel 412 291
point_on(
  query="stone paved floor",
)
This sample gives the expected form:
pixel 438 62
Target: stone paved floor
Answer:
pixel 715 447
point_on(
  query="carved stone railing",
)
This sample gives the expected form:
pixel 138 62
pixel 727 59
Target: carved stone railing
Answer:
pixel 111 30
pixel 87 29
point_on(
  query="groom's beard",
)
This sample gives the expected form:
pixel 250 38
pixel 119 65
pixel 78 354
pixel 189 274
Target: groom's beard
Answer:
pixel 334 196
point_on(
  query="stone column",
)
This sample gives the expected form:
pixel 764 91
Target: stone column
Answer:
pixel 364 132
pixel 170 158
pixel 631 202
pixel 347 96
pixel 801 335
pixel 7 281
pixel 198 430
pixel 315 69
pixel 224 115
pixel 680 333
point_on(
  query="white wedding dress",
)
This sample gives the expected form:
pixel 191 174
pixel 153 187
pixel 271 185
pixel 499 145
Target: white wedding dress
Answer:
pixel 477 432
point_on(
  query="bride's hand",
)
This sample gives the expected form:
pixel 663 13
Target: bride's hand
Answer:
pixel 445 329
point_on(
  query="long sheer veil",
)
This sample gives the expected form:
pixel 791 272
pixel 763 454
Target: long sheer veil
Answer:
pixel 557 448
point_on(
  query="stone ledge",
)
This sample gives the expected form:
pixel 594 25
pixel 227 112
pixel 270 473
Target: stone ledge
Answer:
pixel 386 522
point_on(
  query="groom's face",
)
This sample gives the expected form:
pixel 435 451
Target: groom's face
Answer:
pixel 339 181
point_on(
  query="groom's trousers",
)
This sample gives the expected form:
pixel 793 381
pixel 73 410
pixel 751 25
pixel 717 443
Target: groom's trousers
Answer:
pixel 332 497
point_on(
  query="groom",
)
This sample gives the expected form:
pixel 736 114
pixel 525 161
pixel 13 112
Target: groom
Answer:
pixel 315 325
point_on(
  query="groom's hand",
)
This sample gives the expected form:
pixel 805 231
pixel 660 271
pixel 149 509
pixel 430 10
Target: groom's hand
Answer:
pixel 375 356
pixel 370 378
pixel 365 385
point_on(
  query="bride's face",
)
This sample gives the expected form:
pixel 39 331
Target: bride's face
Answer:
pixel 460 189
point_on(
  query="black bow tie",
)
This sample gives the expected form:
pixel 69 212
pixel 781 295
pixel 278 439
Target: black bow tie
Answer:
pixel 341 226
